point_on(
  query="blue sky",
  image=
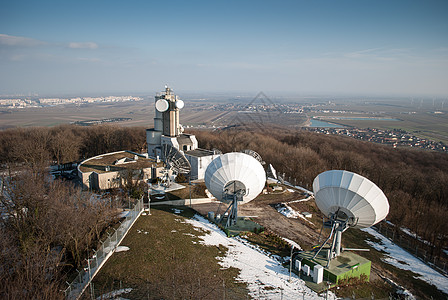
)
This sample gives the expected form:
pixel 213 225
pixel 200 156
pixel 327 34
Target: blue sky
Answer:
pixel 304 47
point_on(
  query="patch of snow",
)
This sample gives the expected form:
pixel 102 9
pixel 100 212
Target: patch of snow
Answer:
pixel 121 249
pixel 177 211
pixel 289 212
pixel 399 258
pixel 301 200
pixel 390 223
pixel 401 290
pixel 209 195
pixel 292 243
pixel 258 269
pixel 414 235
pixel 173 230
pixel 108 249
pixel 123 214
pixel 114 294
pixel 446 251
pixel 407 294
pixel 291 190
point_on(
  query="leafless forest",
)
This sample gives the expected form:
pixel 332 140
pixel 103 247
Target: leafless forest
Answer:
pixel 48 227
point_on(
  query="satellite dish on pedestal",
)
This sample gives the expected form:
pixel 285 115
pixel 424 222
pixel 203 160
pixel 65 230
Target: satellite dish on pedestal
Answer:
pixel 347 200
pixel 234 178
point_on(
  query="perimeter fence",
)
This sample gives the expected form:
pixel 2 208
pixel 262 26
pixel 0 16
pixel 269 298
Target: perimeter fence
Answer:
pixel 419 249
pixel 107 248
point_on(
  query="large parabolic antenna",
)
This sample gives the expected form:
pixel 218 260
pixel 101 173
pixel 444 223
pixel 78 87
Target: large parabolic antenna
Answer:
pixel 175 160
pixel 357 197
pixel 348 200
pixel 235 178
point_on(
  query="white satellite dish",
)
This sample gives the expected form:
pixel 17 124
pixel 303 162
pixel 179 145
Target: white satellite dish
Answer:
pixel 357 197
pixel 162 105
pixel 235 178
pixel 347 200
pixel 179 104
pixel 175 160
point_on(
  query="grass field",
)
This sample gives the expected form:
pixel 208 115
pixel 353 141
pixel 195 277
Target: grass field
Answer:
pixel 166 261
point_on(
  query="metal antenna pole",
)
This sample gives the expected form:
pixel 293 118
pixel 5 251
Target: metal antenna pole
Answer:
pixel 189 183
pixel 290 263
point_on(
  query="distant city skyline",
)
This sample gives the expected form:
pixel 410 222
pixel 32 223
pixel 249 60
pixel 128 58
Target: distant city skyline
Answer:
pixel 304 47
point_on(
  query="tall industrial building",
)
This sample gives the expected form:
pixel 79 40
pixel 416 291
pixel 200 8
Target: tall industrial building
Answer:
pixel 168 130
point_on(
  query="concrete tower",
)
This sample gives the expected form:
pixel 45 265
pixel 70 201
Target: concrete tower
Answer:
pixel 168 130
pixel 170 117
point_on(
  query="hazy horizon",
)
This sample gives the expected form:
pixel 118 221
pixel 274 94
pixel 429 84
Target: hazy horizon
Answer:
pixel 332 48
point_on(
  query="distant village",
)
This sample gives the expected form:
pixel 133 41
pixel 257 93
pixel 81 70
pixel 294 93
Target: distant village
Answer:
pixel 45 102
pixel 395 137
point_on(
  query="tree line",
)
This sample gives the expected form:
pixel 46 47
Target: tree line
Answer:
pixel 38 146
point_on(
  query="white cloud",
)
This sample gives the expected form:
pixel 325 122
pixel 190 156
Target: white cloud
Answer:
pixel 10 40
pixel 85 45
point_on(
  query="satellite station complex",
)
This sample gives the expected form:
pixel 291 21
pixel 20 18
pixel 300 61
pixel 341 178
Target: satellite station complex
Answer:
pixel 346 199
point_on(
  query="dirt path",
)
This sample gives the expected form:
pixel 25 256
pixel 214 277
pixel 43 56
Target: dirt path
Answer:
pixel 298 230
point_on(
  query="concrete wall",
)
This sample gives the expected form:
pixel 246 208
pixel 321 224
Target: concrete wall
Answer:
pixel 199 165
pixel 184 201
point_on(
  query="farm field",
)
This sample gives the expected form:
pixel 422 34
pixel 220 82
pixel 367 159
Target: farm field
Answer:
pixel 425 121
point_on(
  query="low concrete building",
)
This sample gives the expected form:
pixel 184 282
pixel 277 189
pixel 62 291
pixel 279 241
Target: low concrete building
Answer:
pixel 199 160
pixel 112 170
